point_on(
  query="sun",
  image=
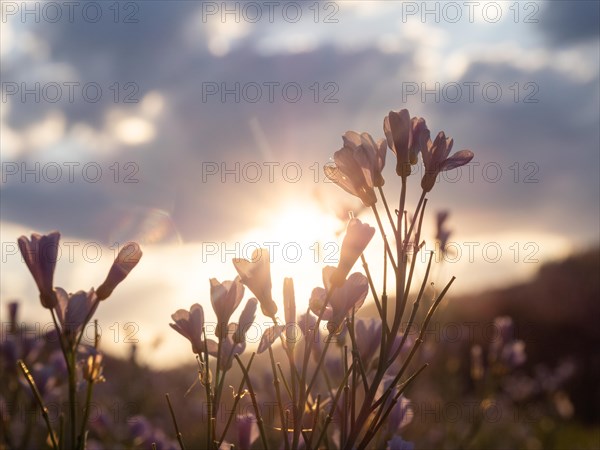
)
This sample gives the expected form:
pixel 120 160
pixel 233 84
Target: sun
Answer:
pixel 301 240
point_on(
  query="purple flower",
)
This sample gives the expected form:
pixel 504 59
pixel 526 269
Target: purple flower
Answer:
pixel 347 297
pixel 436 160
pixel 357 166
pixel 256 274
pixel 368 339
pixel 73 310
pixel 405 137
pixel 126 260
pixel 247 430
pixel 189 324
pixel 40 254
pixel 245 321
pixel 397 443
pixel 225 298
pixel 358 235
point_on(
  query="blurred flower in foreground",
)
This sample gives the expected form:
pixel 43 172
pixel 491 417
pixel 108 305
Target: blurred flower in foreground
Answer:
pixel 357 166
pixel 350 295
pixel 358 235
pixel 405 137
pixel 436 160
pixel 126 260
pixel 247 430
pixel 189 324
pixel 442 233
pixel 397 443
pixel 40 254
pixel 225 298
pixel 256 274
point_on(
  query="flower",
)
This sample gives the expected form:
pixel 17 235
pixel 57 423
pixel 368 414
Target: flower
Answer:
pixel 405 137
pixel 347 297
pixel 269 336
pixel 357 166
pixel 73 310
pixel 126 260
pixel 256 274
pixel 397 443
pixel 358 235
pixel 245 321
pixel 442 234
pixel 375 152
pixel 368 339
pixel 189 324
pixel 289 307
pixel 247 430
pixel 225 298
pixel 436 160
pixel 40 254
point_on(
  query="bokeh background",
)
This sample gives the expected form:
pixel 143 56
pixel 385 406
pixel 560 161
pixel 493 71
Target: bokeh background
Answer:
pixel 198 169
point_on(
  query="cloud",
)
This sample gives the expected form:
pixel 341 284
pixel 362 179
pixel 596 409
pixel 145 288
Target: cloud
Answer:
pixel 570 22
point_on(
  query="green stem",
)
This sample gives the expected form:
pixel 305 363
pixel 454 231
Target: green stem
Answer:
pixel 259 420
pixel 385 241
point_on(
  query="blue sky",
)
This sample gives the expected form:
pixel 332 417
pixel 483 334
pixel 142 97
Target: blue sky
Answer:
pixel 517 83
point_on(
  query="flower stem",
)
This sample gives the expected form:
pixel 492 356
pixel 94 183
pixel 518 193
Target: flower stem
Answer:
pixel 385 241
pixel 387 210
pixel 259 420
pixel 40 401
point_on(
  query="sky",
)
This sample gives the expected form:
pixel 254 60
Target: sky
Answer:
pixel 200 130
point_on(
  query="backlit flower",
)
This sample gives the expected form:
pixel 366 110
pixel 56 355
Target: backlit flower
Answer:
pixel 189 324
pixel 357 166
pixel 225 298
pixel 256 274
pixel 126 260
pixel 289 307
pixel 247 431
pixel 73 310
pixel 436 160
pixel 40 254
pixel 405 137
pixel 348 296
pixel 245 321
pixel 358 235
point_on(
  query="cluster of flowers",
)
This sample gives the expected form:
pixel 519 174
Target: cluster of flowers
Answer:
pixel 370 383
pixel 70 314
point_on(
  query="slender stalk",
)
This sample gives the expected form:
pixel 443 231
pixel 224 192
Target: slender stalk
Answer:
pixel 177 432
pixel 317 410
pixel 385 241
pixel 401 270
pixel 236 400
pixel 371 285
pixel 40 401
pixel 332 408
pixel 259 420
pixel 414 311
pixel 387 210
pixel 279 402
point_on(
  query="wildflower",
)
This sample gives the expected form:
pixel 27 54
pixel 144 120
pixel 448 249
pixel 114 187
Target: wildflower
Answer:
pixel 436 160
pixel 40 254
pixel 269 336
pixel 190 324
pixel 397 443
pixel 289 307
pixel 256 274
pixel 368 339
pixel 358 235
pixel 247 430
pixel 375 152
pixel 357 166
pixel 405 137
pixel 442 234
pixel 225 298
pixel 245 321
pixel 347 297
pixel 126 260
pixel 73 311
pixel 228 348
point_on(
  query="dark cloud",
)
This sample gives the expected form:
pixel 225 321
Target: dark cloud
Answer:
pixel 570 22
